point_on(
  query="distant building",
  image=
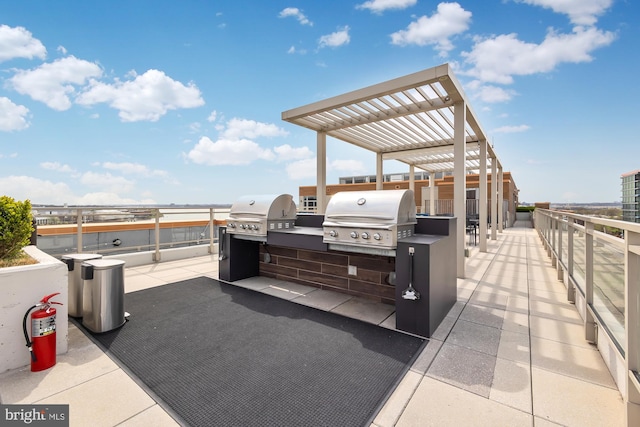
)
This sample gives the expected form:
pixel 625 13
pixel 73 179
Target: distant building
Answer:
pixel 631 196
pixel 443 192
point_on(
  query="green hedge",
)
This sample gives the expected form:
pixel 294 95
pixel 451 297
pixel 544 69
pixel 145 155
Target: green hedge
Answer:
pixel 525 208
pixel 15 226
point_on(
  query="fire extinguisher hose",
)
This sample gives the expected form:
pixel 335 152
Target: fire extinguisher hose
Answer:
pixel 26 333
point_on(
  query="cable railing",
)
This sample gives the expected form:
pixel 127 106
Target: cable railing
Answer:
pixel 112 230
pixel 598 260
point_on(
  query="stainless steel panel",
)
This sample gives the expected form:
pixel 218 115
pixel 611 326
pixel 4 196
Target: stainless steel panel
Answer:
pixel 371 219
pixel 256 215
pixel 103 296
pixel 75 282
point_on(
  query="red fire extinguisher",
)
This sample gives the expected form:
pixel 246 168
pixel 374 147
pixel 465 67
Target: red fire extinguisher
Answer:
pixel 42 344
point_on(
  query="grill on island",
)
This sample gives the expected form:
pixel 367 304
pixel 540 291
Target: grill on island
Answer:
pixel 375 220
pixel 251 217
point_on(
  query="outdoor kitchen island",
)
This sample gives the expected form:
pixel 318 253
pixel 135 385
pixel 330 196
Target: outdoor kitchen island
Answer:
pixel 416 273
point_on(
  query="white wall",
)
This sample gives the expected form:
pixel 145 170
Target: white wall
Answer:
pixel 20 288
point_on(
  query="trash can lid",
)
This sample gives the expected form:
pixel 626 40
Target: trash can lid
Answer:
pixel 100 264
pixel 82 257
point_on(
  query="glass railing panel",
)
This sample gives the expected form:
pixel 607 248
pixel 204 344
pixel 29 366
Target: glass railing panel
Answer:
pixel 579 259
pixel 608 285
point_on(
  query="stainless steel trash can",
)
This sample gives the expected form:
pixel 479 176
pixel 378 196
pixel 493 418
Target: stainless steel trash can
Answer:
pixel 74 261
pixel 103 294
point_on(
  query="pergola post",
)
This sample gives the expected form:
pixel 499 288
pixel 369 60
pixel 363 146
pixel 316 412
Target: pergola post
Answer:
pixel 500 200
pixel 321 172
pixel 494 199
pixel 432 193
pixel 459 182
pixel 412 178
pixel 379 171
pixel 482 218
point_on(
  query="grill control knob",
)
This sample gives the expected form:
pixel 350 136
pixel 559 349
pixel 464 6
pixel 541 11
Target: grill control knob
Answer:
pixel 256 227
pixel 354 234
pixel 252 227
pixel 231 225
pixel 377 236
pixel 365 235
pixel 333 233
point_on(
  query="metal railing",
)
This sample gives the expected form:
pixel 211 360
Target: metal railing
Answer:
pixel 601 271
pixel 117 230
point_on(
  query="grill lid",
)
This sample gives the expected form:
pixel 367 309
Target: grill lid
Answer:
pixel 269 207
pixel 377 209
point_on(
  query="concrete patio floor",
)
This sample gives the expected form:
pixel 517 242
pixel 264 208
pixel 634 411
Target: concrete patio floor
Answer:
pixel 511 352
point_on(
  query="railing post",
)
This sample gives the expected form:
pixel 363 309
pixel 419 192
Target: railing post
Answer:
pixel 211 233
pixel 559 263
pixel 554 244
pixel 589 321
pixel 571 290
pixel 79 233
pixel 632 326
pixel 156 256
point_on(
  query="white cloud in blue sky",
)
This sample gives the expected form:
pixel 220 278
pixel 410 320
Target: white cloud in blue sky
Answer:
pixel 449 20
pixel 338 38
pixel 148 96
pixel 18 42
pixel 98 132
pixel 297 14
pixel 379 6
pixel 580 12
pixel 12 117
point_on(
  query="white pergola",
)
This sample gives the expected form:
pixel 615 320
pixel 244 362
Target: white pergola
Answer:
pixel 423 120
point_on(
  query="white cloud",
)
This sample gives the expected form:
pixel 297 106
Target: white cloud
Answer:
pixel 293 50
pixel 227 152
pixel 212 117
pixel 303 169
pixel 499 58
pixel 512 129
pixel 12 116
pixel 46 192
pixel 147 97
pixel 379 6
pixel 35 190
pixel 352 167
pixel 243 128
pixel 580 12
pixel 133 169
pixel 492 94
pixel 56 166
pixel 106 181
pixel 108 198
pixel 53 83
pixel 286 152
pixel 296 13
pixel 339 38
pixel 9 156
pixel 17 42
pixel 449 20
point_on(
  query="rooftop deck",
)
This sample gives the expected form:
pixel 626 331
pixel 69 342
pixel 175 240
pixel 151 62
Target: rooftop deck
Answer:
pixel 511 352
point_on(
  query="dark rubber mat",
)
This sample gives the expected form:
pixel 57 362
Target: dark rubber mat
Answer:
pixel 216 354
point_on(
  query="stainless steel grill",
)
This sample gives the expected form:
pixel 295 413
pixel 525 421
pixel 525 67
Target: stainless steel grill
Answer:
pixel 369 219
pixel 251 217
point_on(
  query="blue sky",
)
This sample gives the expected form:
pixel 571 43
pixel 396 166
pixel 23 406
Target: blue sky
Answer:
pixel 129 102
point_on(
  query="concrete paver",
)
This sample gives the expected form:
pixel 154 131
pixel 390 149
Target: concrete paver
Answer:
pixel 511 352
